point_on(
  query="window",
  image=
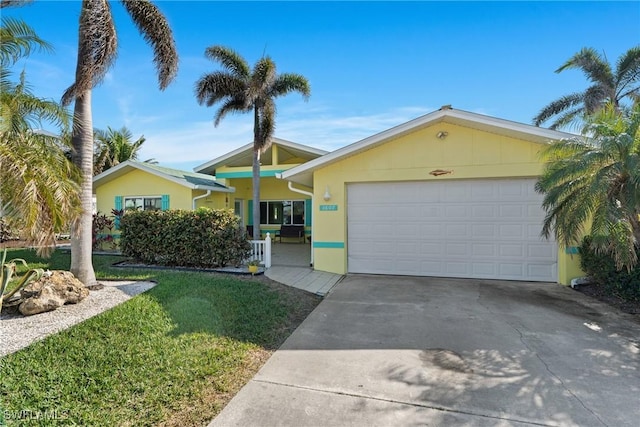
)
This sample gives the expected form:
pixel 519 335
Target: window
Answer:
pixel 143 203
pixel 289 212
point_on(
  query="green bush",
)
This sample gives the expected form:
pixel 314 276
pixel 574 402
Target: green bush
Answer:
pixel 201 238
pixel 601 269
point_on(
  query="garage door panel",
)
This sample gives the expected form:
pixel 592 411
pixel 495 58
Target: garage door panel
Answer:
pixel 483 250
pixel 456 231
pixel 457 249
pixel 512 211
pixel 483 231
pixel 511 232
pixel 465 228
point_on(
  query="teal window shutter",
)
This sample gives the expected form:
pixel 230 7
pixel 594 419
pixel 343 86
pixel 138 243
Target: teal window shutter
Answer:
pixel 118 206
pixel 307 212
pixel 250 216
pixel 165 202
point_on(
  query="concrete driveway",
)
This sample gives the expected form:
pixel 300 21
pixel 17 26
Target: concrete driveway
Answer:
pixel 400 351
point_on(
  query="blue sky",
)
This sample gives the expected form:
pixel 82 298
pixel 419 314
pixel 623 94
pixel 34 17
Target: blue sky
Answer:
pixel 371 65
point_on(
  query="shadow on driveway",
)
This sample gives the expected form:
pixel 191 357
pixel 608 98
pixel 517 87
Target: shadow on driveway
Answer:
pixel 382 350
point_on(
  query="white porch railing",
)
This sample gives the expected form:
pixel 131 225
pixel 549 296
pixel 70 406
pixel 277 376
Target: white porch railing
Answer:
pixel 261 250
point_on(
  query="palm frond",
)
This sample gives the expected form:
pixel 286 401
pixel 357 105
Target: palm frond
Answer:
pixel 18 40
pixel 97 47
pixel 290 82
pixel 230 60
pixel 216 86
pixel 156 31
pixel 231 105
pixel 558 106
pixel 593 65
pixel 628 70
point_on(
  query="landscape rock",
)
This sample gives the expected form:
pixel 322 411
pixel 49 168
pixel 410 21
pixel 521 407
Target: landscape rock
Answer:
pixel 51 291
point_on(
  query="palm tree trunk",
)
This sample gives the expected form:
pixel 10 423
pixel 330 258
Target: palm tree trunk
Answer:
pixel 82 140
pixel 256 175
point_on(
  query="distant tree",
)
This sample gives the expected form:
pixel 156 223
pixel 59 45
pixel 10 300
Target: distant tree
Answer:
pixel 113 147
pixel 241 89
pixel 97 45
pixel 595 180
pixel 608 86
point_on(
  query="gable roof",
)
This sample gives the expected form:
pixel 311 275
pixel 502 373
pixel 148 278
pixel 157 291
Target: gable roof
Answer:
pixel 192 180
pixel 303 174
pixel 243 156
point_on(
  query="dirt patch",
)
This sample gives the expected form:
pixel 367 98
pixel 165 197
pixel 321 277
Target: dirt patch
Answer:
pixel 598 292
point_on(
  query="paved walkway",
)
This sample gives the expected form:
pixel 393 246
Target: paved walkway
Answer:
pixel 290 265
pixel 317 282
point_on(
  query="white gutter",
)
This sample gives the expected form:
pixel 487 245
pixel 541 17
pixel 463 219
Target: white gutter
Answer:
pixel 207 194
pixel 297 190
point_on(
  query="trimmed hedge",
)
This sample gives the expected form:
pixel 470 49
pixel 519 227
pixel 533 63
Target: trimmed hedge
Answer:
pixel 601 269
pixel 201 238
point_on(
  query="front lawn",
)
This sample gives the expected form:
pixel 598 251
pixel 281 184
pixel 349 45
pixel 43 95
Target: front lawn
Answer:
pixel 171 356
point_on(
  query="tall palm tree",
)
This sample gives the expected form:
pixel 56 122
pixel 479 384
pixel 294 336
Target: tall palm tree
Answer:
pixel 608 86
pixel 595 180
pixel 38 186
pixel 113 147
pixel 241 89
pixel 97 47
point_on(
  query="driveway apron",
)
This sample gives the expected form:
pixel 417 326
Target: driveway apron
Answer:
pixel 386 350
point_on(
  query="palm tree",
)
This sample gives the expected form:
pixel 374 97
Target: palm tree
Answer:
pixel 97 47
pixel 608 87
pixel 241 89
pixel 595 180
pixel 113 147
pixel 18 40
pixel 38 186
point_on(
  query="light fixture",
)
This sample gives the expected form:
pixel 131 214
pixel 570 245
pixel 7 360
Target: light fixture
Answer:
pixel 442 134
pixel 327 195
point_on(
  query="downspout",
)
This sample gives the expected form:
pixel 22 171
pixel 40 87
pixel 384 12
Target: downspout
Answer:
pixel 296 190
pixel 193 203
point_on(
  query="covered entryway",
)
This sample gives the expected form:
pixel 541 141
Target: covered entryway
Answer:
pixel 484 228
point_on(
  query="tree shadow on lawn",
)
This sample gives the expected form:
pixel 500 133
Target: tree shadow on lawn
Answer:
pixel 250 309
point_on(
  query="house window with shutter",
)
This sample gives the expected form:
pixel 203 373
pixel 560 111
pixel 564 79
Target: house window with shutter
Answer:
pixel 146 203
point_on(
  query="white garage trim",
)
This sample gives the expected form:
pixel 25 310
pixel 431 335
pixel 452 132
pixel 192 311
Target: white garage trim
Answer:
pixel 484 228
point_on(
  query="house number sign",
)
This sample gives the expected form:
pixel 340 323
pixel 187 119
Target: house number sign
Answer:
pixel 328 207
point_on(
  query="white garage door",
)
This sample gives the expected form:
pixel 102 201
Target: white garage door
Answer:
pixel 462 228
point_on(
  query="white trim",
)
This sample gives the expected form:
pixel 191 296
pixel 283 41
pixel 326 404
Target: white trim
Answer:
pixel 124 200
pixel 249 147
pixel 537 134
pixel 141 166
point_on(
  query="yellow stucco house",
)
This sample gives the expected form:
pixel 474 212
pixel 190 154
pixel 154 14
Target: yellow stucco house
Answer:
pixel 449 194
pixel 224 182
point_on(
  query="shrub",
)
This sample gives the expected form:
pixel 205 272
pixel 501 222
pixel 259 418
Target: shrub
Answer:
pixel 201 238
pixel 102 223
pixel 601 269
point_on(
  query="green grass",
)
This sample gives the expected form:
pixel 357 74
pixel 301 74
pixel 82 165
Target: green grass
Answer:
pixel 171 356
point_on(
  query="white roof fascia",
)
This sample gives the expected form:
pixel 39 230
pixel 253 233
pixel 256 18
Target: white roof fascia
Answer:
pixel 249 146
pixel 430 118
pixel 141 166
pixel 221 159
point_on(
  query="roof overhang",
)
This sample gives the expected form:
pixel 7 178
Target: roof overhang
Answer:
pixel 244 155
pixel 303 174
pixel 128 166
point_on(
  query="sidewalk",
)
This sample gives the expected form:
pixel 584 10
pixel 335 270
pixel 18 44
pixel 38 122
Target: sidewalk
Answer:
pixel 290 265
